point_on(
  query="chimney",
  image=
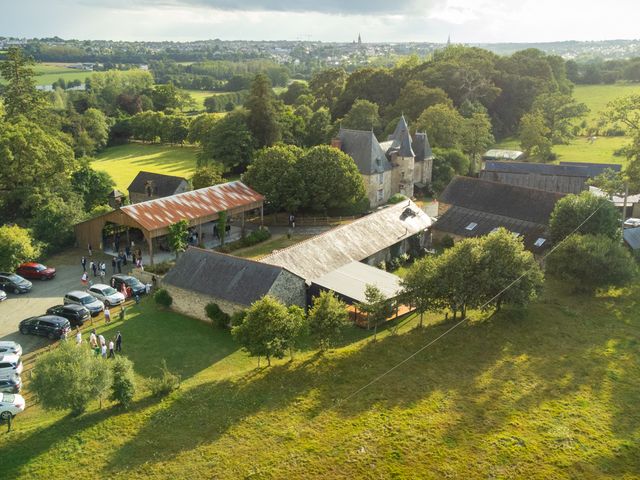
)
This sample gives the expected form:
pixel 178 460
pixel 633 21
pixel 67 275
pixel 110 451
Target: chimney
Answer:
pixel 336 143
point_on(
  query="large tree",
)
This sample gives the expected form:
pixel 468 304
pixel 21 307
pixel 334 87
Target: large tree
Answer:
pixel 476 137
pixel 16 247
pixel 415 97
pixel 93 185
pixel 319 128
pixel 444 125
pixel 263 118
pixel 535 136
pixel 326 86
pixel 206 176
pixel 228 141
pixel 585 213
pixel 328 318
pixel 377 307
pixel 362 116
pixel 20 96
pixel 420 287
pixel 559 111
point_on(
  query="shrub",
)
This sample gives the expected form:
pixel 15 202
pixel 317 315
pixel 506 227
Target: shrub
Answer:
pixel 447 241
pixel 160 268
pixel 255 237
pixel 217 316
pixel 238 317
pixel 396 198
pixel 163 298
pixel 123 387
pixel 166 383
pixel 16 246
pixel 382 265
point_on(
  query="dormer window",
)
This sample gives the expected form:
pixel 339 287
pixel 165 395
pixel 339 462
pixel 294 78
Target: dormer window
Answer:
pixel 472 226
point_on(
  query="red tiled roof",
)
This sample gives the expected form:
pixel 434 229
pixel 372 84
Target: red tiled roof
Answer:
pixel 162 212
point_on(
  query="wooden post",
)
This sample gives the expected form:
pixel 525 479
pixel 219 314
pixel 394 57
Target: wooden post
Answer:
pixel 242 226
pixel 150 244
pixel 262 215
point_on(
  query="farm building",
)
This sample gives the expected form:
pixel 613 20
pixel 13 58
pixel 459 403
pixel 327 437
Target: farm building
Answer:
pixel 202 276
pixel 631 238
pixel 594 169
pixel 372 239
pixel 148 222
pixel 150 186
pixel 471 207
pixel 551 178
pixel 633 202
pixel 500 154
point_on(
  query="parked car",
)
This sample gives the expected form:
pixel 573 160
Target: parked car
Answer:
pixel 632 222
pixel 12 384
pixel 90 302
pixel 11 404
pixel 76 314
pixel 50 326
pixel 36 271
pixel 10 365
pixel 3 295
pixel 10 282
pixel 108 295
pixel 10 348
pixel 137 287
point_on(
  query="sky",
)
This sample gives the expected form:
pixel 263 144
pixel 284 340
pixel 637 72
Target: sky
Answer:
pixel 467 21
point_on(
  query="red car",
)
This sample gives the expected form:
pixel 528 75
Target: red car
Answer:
pixel 36 271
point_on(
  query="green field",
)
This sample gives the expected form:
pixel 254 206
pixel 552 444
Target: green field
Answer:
pixel 47 73
pixel 551 392
pixel 125 161
pixel 200 95
pixel 596 97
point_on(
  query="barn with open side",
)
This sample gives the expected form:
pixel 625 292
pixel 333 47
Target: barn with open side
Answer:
pixel 150 220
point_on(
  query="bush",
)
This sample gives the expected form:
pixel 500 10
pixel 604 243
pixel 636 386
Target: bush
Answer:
pixel 163 298
pixel 123 387
pixel 217 316
pixel 255 237
pixel 396 198
pixel 447 241
pixel 165 384
pixel 160 268
pixel 16 246
pixel 238 317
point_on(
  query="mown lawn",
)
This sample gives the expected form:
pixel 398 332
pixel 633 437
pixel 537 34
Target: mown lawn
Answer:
pixel 596 97
pixel 125 161
pixel 200 95
pixel 551 392
pixel 277 242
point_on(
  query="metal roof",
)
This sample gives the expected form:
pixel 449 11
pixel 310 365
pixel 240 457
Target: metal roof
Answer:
pixel 595 169
pixel 351 280
pixel 632 237
pixel 539 168
pixel 162 185
pixel 498 154
pixel 162 212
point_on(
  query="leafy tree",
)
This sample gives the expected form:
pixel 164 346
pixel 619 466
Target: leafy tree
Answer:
pixel 229 142
pixel 69 377
pixel 572 210
pixel 201 127
pixel 292 126
pixel 274 174
pixel 362 116
pixel 592 261
pixel 330 177
pixel 534 136
pixel 262 120
pixel 559 111
pixel 420 286
pixel 476 138
pixel 96 126
pixel 326 86
pixel 174 129
pixel 177 238
pixel 165 97
pixel 452 157
pixel 20 95
pixel 123 388
pixel 444 125
pixel 610 182
pixel 296 328
pixel 415 97
pixel 54 218
pixel 377 85
pixel 293 91
pixel 266 329
pixel 319 128
pixel 222 226
pixel 206 176
pixel 92 185
pixel 625 111
pixel 442 173
pixel 16 247
pixel 376 307
pixel 328 318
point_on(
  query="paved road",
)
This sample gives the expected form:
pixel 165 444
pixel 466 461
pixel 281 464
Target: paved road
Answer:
pixel 44 294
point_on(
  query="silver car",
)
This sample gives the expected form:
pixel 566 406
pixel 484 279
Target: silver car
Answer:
pixel 10 348
pixel 90 302
pixel 107 294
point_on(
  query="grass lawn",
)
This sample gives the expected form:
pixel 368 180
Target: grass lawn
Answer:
pixel 277 242
pixel 550 392
pixel 47 73
pixel 200 95
pixel 125 161
pixel 596 97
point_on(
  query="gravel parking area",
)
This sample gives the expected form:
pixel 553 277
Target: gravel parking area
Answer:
pixel 43 295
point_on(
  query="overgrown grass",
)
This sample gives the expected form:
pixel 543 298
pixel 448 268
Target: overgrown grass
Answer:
pixel 124 162
pixel 550 392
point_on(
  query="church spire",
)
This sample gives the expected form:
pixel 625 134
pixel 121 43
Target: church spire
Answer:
pixel 359 39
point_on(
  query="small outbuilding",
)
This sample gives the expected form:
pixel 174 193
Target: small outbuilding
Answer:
pixel 203 276
pixel 502 154
pixel 150 186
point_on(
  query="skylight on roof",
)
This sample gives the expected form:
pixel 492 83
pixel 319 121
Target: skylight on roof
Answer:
pixel 471 226
pixel 540 241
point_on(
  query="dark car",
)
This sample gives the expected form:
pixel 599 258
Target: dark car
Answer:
pixel 76 314
pixel 12 384
pixel 50 326
pixel 36 271
pixel 137 287
pixel 10 282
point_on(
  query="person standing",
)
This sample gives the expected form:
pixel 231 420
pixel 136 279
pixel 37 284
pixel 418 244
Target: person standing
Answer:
pixel 83 262
pixel 78 336
pixel 90 250
pixel 103 272
pixel 127 251
pixel 84 279
pixel 123 290
pixel 133 258
pixel 112 354
pixel 93 340
pixel 118 342
pixel 104 350
pixel 101 340
pixel 94 268
pixel 107 315
pixel 113 264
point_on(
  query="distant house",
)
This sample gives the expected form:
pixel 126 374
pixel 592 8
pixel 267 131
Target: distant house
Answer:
pixel 371 239
pixel 471 207
pixel 390 167
pixel 202 276
pixel 552 178
pixel 496 154
pixel 150 186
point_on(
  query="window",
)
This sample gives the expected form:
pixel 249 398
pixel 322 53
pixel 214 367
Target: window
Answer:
pixel 540 241
pixel 494 229
pixel 381 178
pixel 471 226
pixel 380 195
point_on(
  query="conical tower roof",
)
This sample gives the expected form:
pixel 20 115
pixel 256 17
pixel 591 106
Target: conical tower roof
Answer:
pixel 402 139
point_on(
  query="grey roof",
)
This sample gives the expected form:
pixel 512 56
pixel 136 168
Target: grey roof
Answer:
pixel 538 168
pixel 501 154
pixel 230 278
pixel 617 200
pixel 351 280
pixel 352 242
pixel 402 140
pixel 595 169
pixel 456 220
pixel 632 237
pixel 365 150
pixel 522 203
pixel 421 146
pixel 163 185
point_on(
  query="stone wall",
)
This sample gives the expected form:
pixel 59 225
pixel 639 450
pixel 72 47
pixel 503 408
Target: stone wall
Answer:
pixel 289 289
pixel 373 185
pixel 193 304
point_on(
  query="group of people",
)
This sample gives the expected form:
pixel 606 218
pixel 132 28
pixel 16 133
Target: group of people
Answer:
pixel 99 344
pixel 98 269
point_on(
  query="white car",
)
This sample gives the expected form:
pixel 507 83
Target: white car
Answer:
pixel 109 295
pixel 11 404
pixel 3 295
pixel 10 365
pixel 10 348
